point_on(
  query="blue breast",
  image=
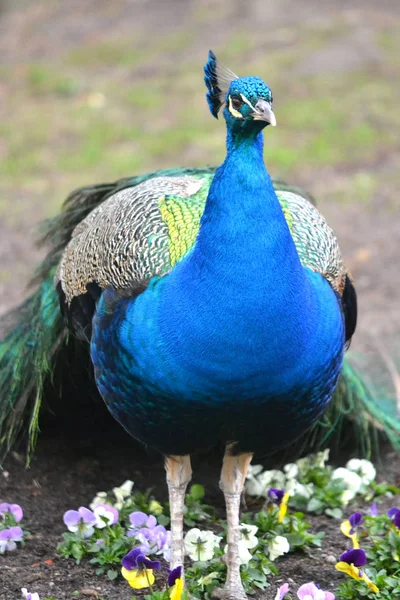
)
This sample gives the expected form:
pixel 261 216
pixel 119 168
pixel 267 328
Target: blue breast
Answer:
pixel 227 378
pixel 239 343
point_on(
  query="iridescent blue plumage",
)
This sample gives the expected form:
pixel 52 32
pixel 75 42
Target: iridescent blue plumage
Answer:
pixel 239 342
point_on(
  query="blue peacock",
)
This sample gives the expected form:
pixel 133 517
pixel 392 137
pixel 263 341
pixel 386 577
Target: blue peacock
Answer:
pixel 217 306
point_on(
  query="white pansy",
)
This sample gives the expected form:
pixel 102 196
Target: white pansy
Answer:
pixel 347 495
pixel 100 498
pixel 295 488
pixel 258 485
pixel 254 487
pixel 254 470
pixel 350 478
pixel 104 516
pixel 123 491
pixel 248 535
pixel 321 458
pixel 244 554
pixel 200 545
pixel 364 468
pixel 291 470
pixel 277 547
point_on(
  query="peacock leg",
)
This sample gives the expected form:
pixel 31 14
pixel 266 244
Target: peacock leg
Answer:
pixel 233 474
pixel 179 473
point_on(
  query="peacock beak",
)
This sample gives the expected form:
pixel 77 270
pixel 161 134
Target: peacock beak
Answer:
pixel 263 112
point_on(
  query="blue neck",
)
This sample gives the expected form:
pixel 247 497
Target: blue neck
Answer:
pixel 243 224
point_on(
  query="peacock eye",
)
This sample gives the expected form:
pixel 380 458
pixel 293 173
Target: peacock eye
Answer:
pixel 236 102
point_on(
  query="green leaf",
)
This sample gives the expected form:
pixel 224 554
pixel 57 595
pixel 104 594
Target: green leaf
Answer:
pixel 112 574
pixel 335 513
pixel 197 492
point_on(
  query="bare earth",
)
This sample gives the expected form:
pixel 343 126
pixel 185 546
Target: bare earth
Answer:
pixel 66 73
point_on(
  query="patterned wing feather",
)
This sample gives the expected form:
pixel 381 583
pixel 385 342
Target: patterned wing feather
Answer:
pixel 143 230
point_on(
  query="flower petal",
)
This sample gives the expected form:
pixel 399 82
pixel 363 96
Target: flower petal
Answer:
pixel 174 575
pixel 138 580
pixel 138 519
pixel 130 561
pixel 282 591
pixel 307 589
pixel 71 517
pixel 356 557
pixel 177 590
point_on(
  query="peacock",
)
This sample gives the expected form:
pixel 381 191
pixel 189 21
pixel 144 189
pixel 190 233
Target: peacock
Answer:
pixel 216 306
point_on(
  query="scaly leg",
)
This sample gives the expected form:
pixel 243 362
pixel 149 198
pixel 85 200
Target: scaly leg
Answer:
pixel 233 474
pixel 179 473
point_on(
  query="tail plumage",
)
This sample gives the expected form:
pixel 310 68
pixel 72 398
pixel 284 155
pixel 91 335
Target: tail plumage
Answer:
pixel 27 357
pixel 37 344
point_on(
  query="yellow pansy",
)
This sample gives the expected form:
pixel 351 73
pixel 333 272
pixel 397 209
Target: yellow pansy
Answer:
pixel 355 573
pixel 139 579
pixel 283 507
pixel 175 593
pixel 345 528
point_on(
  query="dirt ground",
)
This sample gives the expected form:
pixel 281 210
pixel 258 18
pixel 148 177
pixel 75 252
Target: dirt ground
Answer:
pixel 356 188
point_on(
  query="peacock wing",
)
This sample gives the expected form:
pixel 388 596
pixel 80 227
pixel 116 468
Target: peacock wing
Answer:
pixel 315 241
pixel 137 233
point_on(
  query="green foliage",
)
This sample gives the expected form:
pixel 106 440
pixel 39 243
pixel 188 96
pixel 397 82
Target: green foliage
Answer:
pixel 381 540
pixel 195 510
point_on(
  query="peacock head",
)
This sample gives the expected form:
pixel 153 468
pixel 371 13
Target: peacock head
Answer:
pixel 246 102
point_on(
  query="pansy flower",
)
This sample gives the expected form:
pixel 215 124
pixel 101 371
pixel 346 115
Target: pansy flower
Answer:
pixel 349 528
pixel 373 511
pixel 275 495
pixel 277 546
pixel 350 562
pixel 138 570
pixel 105 515
pixel 153 538
pixel 281 498
pixel 29 595
pixel 309 591
pixel 200 545
pixel 282 591
pixel 364 469
pixel 122 492
pixel 8 539
pixel 394 514
pixel 176 583
pixel 14 509
pixel 81 520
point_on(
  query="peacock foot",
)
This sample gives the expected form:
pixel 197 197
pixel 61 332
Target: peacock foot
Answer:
pixel 230 593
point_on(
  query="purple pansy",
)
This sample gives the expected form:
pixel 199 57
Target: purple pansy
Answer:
pixel 275 495
pixel 309 591
pixel 356 519
pixel 394 514
pixel 29 595
pixel 140 520
pixel 81 520
pixel 14 509
pixel 135 559
pixel 356 557
pixel 9 537
pixel 105 515
pixel 282 591
pixel 174 575
pixel 374 510
pixel 153 538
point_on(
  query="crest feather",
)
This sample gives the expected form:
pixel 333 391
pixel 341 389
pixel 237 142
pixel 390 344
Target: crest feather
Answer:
pixel 217 78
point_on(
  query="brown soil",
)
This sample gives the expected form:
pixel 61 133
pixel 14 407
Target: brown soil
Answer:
pixel 67 471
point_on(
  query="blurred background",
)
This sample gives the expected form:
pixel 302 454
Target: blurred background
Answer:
pixel 94 90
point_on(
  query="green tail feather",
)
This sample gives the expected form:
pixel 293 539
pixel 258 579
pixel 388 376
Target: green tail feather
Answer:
pixel 30 351
pixel 26 360
pixel 357 416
